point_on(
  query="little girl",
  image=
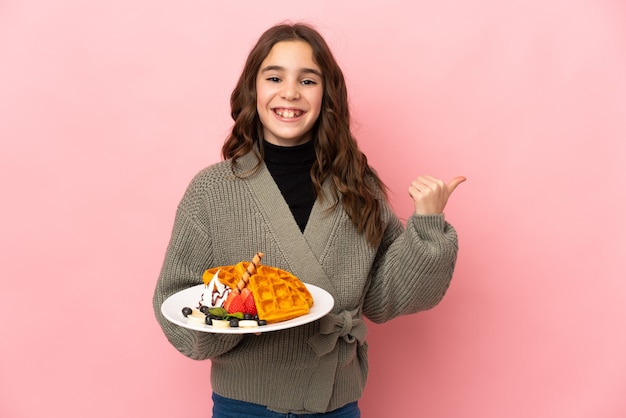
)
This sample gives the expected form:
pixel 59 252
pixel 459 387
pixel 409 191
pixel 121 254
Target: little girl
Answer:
pixel 294 185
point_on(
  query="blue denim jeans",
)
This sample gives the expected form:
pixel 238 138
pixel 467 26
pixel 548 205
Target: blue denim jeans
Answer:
pixel 231 408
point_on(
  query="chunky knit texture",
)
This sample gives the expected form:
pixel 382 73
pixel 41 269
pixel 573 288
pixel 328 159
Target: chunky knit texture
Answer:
pixel 223 219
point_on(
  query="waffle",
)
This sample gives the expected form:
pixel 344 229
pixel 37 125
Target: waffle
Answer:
pixel 278 294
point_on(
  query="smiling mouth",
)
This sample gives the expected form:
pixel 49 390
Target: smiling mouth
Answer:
pixel 289 113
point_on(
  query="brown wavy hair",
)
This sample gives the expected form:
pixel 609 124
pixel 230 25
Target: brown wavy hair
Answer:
pixel 354 183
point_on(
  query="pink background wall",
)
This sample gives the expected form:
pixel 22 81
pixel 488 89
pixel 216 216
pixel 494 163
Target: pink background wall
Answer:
pixel 108 108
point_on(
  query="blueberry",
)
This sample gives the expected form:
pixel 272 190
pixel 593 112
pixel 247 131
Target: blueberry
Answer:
pixel 262 322
pixel 207 320
pixel 204 309
pixel 248 316
pixel 186 311
pixel 234 322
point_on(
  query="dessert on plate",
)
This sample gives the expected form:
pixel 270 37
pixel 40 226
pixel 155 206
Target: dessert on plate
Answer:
pixel 249 294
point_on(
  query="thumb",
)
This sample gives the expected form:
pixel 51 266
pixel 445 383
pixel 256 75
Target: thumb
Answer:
pixel 454 183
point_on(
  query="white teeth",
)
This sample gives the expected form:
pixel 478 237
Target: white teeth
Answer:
pixel 288 114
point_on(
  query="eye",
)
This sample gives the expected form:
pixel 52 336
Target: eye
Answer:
pixel 273 79
pixel 309 82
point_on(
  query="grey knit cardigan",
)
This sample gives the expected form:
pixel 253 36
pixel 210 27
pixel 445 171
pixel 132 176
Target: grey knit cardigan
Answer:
pixel 223 219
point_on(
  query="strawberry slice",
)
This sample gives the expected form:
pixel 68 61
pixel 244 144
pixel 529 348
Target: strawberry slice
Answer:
pixel 248 302
pixel 228 300
pixel 236 304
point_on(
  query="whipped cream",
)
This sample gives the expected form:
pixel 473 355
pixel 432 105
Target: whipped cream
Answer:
pixel 218 291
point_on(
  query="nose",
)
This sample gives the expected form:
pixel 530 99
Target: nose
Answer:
pixel 290 91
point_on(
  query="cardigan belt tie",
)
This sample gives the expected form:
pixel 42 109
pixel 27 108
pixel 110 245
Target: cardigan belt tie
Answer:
pixel 352 329
pixel 344 325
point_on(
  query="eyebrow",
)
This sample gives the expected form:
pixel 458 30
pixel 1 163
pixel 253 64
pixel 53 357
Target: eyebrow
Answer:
pixel 302 70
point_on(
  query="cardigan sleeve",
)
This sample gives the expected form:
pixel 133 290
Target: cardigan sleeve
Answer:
pixel 188 255
pixel 413 267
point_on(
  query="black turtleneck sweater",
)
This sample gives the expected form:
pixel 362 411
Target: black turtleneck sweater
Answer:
pixel 291 169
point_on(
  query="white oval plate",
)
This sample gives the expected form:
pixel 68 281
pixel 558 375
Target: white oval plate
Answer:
pixel 172 310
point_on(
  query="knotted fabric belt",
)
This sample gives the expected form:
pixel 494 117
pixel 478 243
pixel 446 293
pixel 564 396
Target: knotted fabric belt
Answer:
pixel 344 325
pixel 352 329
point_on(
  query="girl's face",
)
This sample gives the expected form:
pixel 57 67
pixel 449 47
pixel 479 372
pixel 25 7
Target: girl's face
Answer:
pixel 289 93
